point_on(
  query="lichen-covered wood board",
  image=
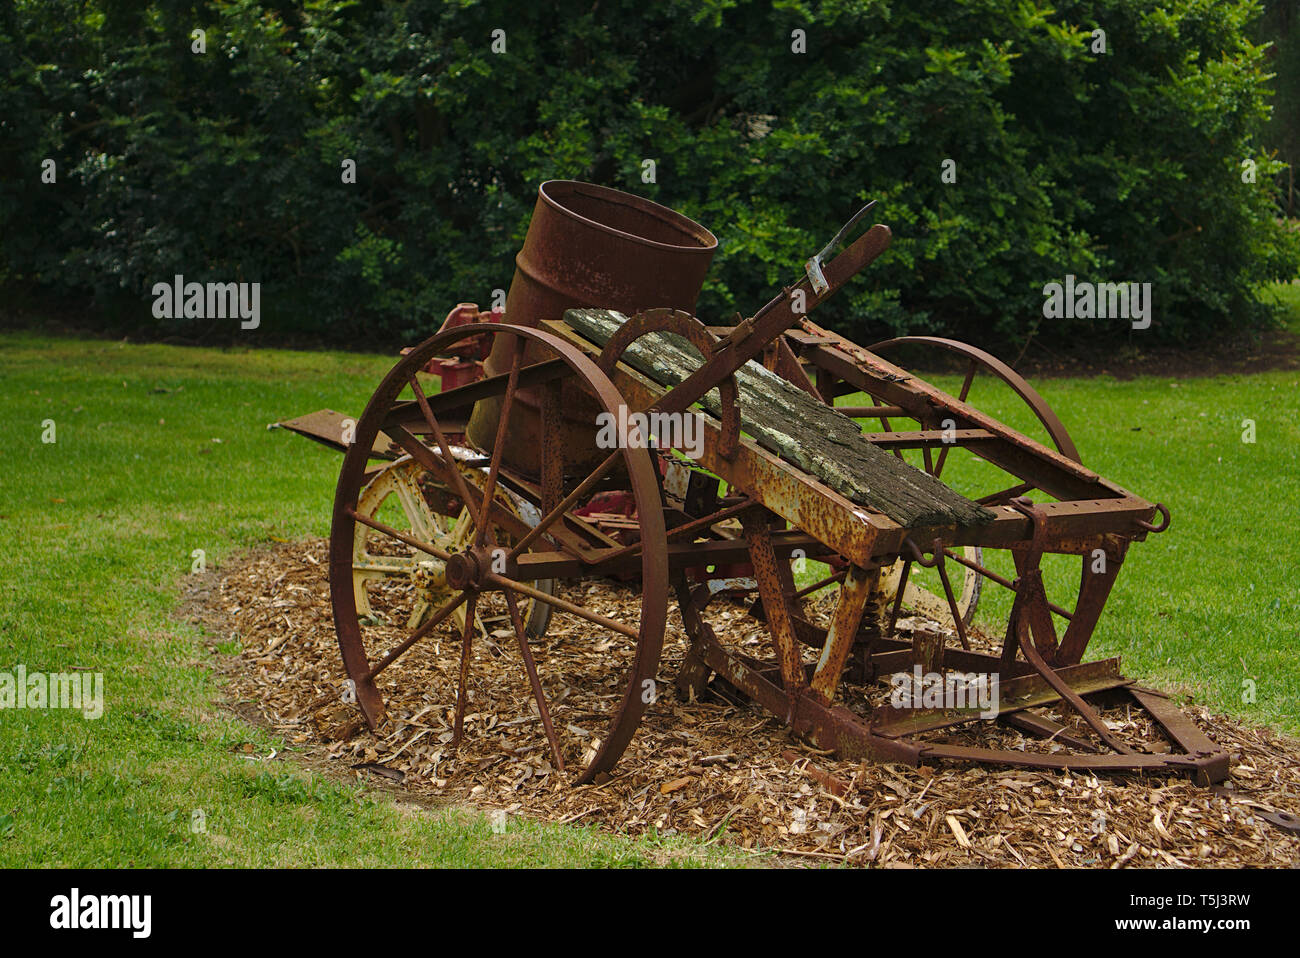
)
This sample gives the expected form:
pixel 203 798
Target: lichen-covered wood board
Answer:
pixel 790 423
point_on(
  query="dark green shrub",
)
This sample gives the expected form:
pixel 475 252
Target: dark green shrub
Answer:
pixel 1122 166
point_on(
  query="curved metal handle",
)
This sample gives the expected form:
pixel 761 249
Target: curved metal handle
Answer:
pixel 697 334
pixel 1149 527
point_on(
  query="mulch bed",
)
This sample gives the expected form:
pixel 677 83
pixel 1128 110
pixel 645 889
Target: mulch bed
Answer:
pixel 719 771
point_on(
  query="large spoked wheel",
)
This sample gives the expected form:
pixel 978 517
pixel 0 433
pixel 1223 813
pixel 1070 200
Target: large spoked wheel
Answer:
pixel 984 374
pixel 480 560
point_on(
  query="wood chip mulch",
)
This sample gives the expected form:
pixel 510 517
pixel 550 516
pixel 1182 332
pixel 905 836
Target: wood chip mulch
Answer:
pixel 721 772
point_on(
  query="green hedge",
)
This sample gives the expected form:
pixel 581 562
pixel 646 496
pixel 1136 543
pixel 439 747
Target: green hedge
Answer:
pixel 224 166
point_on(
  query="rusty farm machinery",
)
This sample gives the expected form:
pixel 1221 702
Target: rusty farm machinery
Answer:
pixel 504 463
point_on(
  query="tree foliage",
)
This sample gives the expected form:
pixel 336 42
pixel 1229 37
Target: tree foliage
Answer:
pixel 1122 166
pixel 1280 27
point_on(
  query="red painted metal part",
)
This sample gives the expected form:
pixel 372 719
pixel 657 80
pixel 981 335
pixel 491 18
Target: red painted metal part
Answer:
pixel 467 365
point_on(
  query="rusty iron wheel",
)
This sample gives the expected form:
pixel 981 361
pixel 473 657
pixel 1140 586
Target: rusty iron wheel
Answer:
pixel 490 567
pixel 977 363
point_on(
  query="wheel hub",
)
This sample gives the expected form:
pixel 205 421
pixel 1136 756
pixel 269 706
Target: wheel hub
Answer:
pixel 468 569
pixel 430 576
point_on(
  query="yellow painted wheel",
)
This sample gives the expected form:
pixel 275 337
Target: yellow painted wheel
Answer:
pixel 407 497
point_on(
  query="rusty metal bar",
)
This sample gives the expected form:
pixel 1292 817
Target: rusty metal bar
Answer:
pixel 565 504
pixel 676 532
pixel 1186 734
pixel 680 555
pixel 1044 727
pixel 449 461
pixel 776 605
pixel 1030 651
pixel 961 397
pixel 926 438
pixel 1022 692
pixel 462 688
pixel 521 638
pixel 400 536
pixel 952 599
pixel 1001 496
pixel 821 584
pixel 563 605
pixel 427 458
pixel 854 595
pixel 750 336
pixel 430 624
pixel 993 576
pixel 832 727
pixel 481 526
pixel 464 397
pixel 871 412
pixel 1135 762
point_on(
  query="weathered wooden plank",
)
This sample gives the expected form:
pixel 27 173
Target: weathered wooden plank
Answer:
pixel 790 423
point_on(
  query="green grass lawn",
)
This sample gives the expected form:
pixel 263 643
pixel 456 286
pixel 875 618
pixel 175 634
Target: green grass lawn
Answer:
pixel 160 451
pixel 1288 296
pixel 99 528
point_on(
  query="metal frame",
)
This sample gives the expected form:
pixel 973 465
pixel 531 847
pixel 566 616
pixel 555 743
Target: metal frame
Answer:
pixel 780 508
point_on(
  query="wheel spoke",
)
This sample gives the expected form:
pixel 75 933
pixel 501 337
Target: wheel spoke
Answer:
pixel 531 668
pixel 498 448
pixel 462 692
pixel 418 634
pixel 417 510
pixel 460 535
pixel 458 480
pixel 417 613
pixel 421 453
pixel 965 391
pixel 388 530
pixel 692 527
pixel 384 566
pixel 469 492
pixel 501 582
pixel 884 424
pixel 564 504
pixel 970 377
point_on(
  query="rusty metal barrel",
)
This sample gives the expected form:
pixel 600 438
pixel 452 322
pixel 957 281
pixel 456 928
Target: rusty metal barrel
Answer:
pixel 588 246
